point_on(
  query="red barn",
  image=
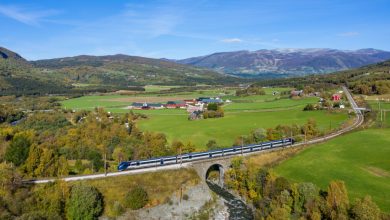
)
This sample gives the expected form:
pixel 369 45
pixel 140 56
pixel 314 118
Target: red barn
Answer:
pixel 336 97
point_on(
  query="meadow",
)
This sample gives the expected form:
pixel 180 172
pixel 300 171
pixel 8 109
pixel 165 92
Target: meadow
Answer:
pixel 242 116
pixel 361 159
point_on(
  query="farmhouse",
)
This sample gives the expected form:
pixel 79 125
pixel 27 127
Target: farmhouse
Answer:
pixel 193 108
pixel 211 100
pixel 296 92
pixel 190 101
pixel 175 104
pixel 336 97
pixel 145 106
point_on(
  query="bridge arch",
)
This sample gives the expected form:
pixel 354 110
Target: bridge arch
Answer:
pixel 215 173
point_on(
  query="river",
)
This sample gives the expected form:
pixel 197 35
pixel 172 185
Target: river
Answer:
pixel 237 209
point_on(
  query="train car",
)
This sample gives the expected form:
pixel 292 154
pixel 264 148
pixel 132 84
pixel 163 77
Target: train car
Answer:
pixel 184 158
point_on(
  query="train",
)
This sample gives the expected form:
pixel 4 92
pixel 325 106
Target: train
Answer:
pixel 188 157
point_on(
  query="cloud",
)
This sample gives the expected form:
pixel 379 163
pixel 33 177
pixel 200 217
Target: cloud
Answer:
pixel 349 34
pixel 232 40
pixel 24 15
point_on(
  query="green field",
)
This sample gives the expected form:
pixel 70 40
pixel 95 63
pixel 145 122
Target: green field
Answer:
pixel 242 116
pixel 361 159
pixel 226 130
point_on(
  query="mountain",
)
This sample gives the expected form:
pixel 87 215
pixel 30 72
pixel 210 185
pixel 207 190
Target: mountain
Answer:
pixel 287 62
pixel 370 79
pixel 124 70
pixel 84 73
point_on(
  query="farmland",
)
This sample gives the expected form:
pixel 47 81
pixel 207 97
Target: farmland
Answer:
pixel 361 159
pixel 242 116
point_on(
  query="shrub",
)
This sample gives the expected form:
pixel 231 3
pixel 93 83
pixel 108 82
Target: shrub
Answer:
pixel 185 197
pixel 309 107
pixel 136 198
pixel 85 202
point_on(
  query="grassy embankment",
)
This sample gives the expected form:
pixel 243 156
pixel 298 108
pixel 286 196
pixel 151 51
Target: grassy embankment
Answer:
pixel 159 186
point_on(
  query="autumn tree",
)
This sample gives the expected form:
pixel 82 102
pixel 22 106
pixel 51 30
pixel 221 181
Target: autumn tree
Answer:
pixel 365 209
pixel 17 151
pixel 85 202
pixel 337 200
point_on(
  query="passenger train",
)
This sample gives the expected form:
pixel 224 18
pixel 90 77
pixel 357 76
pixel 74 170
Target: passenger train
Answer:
pixel 184 158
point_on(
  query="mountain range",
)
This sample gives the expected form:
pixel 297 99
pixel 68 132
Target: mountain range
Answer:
pixel 287 62
pixel 97 73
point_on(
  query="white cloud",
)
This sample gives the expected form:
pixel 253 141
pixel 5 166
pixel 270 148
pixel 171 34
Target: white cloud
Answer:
pixel 24 15
pixel 232 40
pixel 349 34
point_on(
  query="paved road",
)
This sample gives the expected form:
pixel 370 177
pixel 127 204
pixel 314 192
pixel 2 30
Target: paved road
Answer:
pixel 358 121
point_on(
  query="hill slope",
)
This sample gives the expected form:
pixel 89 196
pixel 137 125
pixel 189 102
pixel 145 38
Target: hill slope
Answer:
pixel 96 73
pixel 287 62
pixel 370 79
pixel 126 70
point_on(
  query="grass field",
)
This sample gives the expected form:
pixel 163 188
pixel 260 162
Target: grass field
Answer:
pixel 242 116
pixel 361 159
pixel 226 130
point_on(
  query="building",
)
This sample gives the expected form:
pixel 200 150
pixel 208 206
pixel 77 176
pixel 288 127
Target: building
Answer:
pixel 146 106
pixel 175 104
pixel 193 108
pixel 136 105
pixel 211 100
pixel 190 101
pixel 296 93
pixel 336 97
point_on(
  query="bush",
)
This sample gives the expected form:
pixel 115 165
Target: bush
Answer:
pixel 185 197
pixel 309 107
pixel 85 202
pixel 136 198
pixel 17 151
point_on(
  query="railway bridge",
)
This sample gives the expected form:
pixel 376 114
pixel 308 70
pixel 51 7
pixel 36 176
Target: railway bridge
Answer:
pixel 204 168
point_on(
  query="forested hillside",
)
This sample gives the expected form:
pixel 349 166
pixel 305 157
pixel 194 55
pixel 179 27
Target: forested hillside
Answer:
pixel 96 73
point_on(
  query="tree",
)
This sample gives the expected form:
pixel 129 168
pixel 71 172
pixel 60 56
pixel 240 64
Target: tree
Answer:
pixel 309 107
pixel 212 145
pixel 85 202
pixel 337 200
pixel 136 198
pixel 365 209
pixel 119 154
pixel 17 151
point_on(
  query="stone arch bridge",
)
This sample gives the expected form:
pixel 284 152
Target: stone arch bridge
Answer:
pixel 203 168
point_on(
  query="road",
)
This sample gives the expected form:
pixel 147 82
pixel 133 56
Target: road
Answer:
pixel 358 121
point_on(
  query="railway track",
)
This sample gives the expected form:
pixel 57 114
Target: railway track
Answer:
pixel 357 123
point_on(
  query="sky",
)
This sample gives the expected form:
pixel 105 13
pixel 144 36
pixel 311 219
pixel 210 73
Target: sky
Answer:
pixel 178 29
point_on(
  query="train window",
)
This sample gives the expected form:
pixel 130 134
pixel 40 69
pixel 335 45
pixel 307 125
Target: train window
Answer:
pixel 210 155
pixel 190 156
pixel 162 161
pixel 137 163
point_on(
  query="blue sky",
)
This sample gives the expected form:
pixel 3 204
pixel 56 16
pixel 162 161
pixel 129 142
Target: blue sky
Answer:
pixel 180 29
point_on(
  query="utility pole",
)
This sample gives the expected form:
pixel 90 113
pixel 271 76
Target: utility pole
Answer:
pixel 242 145
pixel 181 156
pixel 105 163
